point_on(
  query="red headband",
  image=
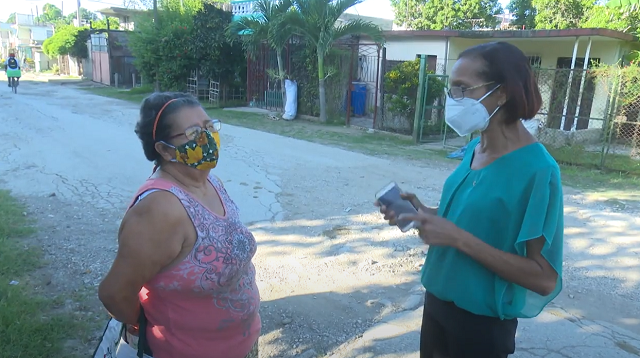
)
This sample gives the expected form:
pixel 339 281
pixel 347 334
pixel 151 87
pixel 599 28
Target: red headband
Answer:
pixel 155 124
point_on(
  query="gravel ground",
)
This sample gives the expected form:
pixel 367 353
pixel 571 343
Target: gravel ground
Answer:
pixel 327 267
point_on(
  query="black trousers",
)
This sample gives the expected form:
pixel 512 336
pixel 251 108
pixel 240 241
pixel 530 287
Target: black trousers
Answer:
pixel 451 332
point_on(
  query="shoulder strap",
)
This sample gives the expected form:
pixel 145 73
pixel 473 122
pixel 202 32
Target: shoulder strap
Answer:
pixel 152 183
pixel 143 344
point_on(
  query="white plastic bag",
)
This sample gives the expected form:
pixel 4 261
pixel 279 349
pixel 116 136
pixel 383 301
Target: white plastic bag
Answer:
pixel 532 125
pixel 113 345
pixel 111 339
pixel 126 351
pixel 291 107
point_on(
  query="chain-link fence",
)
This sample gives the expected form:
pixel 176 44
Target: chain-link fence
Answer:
pixel 622 136
pixel 588 118
pixel 573 117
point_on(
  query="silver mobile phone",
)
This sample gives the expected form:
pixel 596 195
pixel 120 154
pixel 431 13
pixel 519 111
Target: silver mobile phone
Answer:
pixel 389 196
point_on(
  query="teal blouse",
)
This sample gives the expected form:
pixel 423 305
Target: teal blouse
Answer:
pixel 516 198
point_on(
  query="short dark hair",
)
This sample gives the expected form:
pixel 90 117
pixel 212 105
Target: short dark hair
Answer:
pixel 148 112
pixel 507 65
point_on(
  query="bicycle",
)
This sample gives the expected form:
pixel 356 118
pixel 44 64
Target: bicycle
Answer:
pixel 13 76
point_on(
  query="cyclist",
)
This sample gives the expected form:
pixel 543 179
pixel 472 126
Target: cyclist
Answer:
pixel 12 63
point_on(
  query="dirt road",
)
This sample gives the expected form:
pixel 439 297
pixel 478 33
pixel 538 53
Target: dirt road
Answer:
pixel 328 267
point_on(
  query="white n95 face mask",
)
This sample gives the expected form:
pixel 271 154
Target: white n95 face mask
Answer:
pixel 468 115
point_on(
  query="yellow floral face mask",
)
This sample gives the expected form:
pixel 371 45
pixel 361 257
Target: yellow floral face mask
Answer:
pixel 200 153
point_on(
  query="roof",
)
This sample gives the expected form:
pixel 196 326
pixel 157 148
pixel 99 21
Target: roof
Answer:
pixel 502 34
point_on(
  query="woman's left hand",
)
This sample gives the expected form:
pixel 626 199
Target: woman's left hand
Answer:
pixel 435 230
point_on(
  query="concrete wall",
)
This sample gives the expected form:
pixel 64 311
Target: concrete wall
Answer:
pixel 41 33
pixel 406 48
pixel 43 62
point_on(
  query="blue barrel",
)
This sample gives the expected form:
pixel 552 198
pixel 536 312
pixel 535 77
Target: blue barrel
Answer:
pixel 358 98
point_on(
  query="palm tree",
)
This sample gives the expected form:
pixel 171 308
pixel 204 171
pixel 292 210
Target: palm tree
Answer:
pixel 316 21
pixel 266 25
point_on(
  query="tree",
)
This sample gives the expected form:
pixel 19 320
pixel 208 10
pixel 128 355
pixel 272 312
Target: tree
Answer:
pixel 163 52
pixel 114 23
pixel 268 26
pixel 315 20
pixel 524 12
pixel 446 14
pixel 50 14
pixel 68 40
pixel 621 15
pixel 619 19
pixel 84 15
pixel 561 14
pixel 216 56
pixel 11 19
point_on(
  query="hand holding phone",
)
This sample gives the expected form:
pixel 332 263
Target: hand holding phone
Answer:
pixel 389 196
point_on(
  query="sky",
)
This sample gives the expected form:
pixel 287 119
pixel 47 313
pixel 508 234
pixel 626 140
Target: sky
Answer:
pixel 375 8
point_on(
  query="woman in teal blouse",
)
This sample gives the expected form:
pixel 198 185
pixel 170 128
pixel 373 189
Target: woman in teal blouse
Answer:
pixel 495 241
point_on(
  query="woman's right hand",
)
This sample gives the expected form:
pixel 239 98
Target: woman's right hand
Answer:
pixel 390 216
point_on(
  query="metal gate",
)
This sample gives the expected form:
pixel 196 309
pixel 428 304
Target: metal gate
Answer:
pixel 429 124
pixel 100 59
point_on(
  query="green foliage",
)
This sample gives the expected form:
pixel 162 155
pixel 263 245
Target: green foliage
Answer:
pixel 68 40
pixel 11 19
pixel 446 14
pixel 162 52
pixel 620 15
pixel 402 83
pixel 84 15
pixel 620 19
pixel 189 36
pixel 50 14
pixel 524 12
pixel 625 79
pixel 218 58
pixel 267 25
pixel 561 14
pixel 114 23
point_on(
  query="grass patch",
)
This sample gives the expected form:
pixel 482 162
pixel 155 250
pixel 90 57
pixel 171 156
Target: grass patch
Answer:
pixel 579 168
pixel 28 326
pixel 127 95
pixel 376 143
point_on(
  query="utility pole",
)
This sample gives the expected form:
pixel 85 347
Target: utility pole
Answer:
pixel 78 14
pixel 156 21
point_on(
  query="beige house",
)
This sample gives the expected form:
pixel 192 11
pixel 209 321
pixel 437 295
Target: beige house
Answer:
pixel 571 101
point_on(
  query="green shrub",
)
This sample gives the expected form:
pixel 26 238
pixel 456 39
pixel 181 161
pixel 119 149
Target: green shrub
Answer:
pixel 401 83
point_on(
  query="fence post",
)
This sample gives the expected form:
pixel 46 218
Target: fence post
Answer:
pixel 383 72
pixel 610 120
pixel 133 80
pixel 419 99
pixel 375 105
pixel 350 85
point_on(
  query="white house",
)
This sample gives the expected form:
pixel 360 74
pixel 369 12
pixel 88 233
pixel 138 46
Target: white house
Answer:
pixel 570 101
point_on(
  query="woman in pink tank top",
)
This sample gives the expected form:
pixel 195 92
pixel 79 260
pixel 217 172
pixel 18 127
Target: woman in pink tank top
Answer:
pixel 184 256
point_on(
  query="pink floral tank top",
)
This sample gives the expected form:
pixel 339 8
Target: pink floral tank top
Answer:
pixel 207 305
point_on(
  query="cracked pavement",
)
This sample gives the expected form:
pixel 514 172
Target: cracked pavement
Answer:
pixel 333 277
